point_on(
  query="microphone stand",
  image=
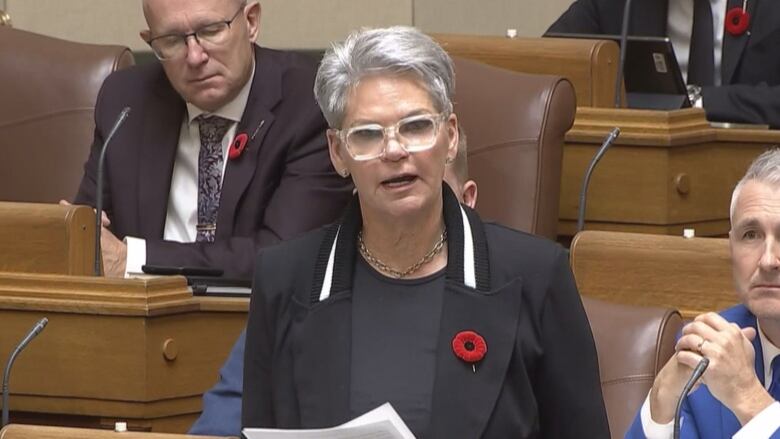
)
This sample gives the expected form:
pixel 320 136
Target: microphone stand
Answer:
pixel 99 190
pixel 622 59
pixel 697 373
pixel 586 180
pixel 7 374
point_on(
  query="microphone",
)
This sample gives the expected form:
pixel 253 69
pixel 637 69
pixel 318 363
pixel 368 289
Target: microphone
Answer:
pixel 697 373
pixel 586 181
pixel 99 191
pixel 622 59
pixel 27 339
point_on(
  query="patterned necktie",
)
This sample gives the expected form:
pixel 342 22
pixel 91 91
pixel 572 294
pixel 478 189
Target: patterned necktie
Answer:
pixel 774 388
pixel 212 130
pixel 701 61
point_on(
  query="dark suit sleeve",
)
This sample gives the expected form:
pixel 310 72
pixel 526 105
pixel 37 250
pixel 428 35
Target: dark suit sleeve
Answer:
pixel 568 386
pixel 758 104
pixel 309 194
pixel 222 403
pixel 582 17
pixel 256 408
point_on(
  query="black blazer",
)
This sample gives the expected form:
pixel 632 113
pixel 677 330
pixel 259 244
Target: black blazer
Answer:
pixel 539 378
pixel 281 186
pixel 750 65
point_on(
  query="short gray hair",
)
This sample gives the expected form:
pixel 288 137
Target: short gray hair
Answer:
pixel 764 169
pixel 396 50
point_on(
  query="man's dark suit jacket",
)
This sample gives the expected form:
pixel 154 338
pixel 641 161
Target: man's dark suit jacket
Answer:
pixel 538 379
pixel 282 185
pixel 750 65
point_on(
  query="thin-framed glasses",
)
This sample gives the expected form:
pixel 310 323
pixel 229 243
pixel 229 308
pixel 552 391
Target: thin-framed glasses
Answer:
pixel 413 133
pixel 172 46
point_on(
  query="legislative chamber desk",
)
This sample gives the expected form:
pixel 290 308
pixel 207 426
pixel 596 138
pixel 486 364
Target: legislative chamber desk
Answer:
pixel 668 170
pixel 136 350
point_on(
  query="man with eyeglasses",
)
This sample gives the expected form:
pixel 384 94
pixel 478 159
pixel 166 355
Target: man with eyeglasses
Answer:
pixel 224 151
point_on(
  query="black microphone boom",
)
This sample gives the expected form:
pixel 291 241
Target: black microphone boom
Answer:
pixel 697 373
pixel 586 180
pixel 99 190
pixel 622 59
pixel 27 339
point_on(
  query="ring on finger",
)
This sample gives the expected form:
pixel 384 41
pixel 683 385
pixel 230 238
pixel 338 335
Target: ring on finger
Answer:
pixel 701 344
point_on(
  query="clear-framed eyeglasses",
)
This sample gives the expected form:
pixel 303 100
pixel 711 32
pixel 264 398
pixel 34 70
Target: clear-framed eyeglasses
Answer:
pixel 172 46
pixel 413 133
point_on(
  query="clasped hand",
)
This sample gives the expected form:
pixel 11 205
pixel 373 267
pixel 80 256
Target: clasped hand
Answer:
pixel 730 376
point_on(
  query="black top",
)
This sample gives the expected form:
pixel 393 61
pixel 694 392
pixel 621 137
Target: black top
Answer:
pixel 395 330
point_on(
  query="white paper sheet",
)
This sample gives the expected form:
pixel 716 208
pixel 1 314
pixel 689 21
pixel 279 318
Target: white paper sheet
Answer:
pixel 381 423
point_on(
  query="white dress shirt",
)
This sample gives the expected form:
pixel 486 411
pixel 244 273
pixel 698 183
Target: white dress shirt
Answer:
pixel 761 426
pixel 181 218
pixel 679 25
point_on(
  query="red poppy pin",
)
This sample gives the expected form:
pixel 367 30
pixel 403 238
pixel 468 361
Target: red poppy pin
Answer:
pixel 737 21
pixel 238 146
pixel 469 347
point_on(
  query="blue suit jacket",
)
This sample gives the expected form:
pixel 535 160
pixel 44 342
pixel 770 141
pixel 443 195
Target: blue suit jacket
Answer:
pixel 222 404
pixel 703 416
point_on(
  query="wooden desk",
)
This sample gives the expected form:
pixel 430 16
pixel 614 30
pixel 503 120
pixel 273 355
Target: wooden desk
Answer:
pixel 47 238
pixel 135 350
pixel 20 431
pixel 590 65
pixel 668 170
pixel 690 275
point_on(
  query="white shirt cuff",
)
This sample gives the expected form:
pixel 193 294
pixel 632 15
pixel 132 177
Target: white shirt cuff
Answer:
pixel 136 255
pixel 763 425
pixel 652 429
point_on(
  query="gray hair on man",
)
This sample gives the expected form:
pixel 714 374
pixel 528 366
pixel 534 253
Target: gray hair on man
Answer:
pixel 396 50
pixel 765 169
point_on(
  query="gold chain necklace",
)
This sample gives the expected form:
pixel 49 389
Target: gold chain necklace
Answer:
pixel 381 266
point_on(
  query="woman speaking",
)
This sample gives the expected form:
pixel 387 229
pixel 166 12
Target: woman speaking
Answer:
pixel 469 329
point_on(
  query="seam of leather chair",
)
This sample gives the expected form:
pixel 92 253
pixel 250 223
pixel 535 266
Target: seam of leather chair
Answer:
pixel 628 379
pixel 119 59
pixel 552 91
pixel 523 142
pixel 665 321
pixel 50 115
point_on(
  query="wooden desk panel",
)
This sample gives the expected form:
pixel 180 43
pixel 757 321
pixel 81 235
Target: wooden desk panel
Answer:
pixel 46 238
pixel 591 65
pixel 667 171
pixel 138 350
pixel 690 275
pixel 17 431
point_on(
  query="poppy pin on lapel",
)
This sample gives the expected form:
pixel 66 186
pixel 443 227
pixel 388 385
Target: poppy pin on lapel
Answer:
pixel 237 146
pixel 469 347
pixel 737 20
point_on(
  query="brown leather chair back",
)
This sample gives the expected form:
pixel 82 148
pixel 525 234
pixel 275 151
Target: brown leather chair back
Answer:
pixel 48 89
pixel 633 344
pixel 515 124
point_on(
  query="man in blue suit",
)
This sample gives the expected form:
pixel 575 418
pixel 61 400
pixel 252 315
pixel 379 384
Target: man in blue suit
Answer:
pixel 741 387
pixel 222 404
